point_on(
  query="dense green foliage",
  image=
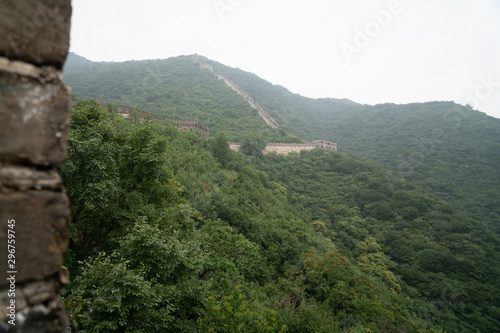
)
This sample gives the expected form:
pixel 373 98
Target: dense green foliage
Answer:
pixel 175 88
pixel 449 150
pixel 171 233
pixel 387 226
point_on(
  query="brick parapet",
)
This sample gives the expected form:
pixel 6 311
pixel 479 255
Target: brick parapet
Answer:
pixel 286 148
pixel 182 125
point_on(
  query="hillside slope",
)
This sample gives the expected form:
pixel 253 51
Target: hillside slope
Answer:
pixel 175 88
pixel 449 150
pixel 173 233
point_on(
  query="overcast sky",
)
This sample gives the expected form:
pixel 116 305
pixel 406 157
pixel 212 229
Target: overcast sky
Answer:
pixel 371 52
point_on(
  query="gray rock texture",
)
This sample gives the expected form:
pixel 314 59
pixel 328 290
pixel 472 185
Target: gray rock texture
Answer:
pixel 34 123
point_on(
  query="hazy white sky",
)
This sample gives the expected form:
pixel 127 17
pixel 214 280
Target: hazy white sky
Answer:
pixel 371 52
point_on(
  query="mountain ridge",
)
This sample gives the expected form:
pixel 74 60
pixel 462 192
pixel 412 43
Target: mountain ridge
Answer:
pixel 450 150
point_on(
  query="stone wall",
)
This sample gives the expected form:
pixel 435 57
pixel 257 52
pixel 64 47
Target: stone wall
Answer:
pixel 253 103
pixel 286 148
pixel 263 114
pixel 279 148
pixel 193 125
pixel 327 145
pixel 234 146
pixel 182 125
pixel 125 110
pixel 34 123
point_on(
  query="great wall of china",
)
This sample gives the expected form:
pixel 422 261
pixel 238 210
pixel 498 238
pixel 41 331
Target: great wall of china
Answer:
pixel 193 125
pixel 278 148
pixel 286 148
pixel 182 125
pixel 267 118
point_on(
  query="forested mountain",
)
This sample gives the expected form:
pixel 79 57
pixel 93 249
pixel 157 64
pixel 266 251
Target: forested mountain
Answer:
pixel 173 233
pixel 174 88
pixel 449 150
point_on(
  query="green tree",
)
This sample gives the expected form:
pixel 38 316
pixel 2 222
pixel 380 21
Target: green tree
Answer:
pixel 372 260
pixel 237 313
pixel 114 174
pixel 252 145
pixel 220 148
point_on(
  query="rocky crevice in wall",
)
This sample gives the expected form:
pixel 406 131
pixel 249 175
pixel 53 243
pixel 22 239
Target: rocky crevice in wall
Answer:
pixel 34 124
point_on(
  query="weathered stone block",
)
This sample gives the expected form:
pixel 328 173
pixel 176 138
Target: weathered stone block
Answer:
pixel 35 31
pixel 23 178
pixel 47 317
pixel 34 113
pixel 41 233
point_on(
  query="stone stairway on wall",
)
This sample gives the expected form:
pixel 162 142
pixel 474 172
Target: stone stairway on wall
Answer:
pixel 264 115
pixel 279 148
